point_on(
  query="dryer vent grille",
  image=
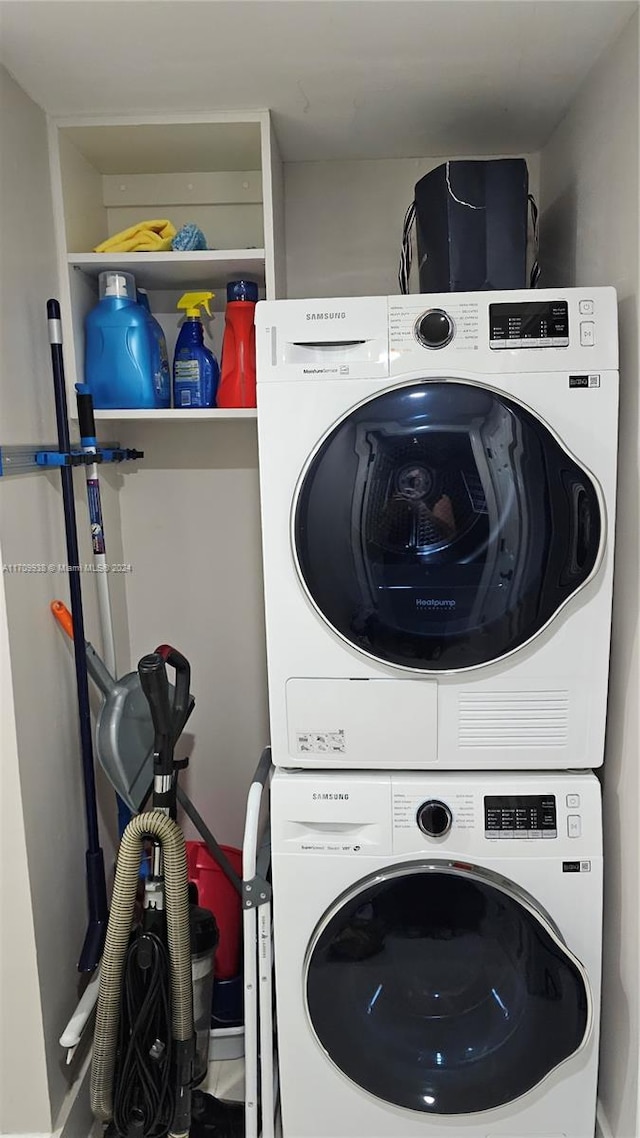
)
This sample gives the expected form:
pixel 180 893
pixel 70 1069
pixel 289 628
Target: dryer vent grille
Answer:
pixel 513 719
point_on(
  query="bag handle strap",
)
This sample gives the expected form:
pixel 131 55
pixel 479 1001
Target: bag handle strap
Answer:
pixel 534 275
pixel 406 250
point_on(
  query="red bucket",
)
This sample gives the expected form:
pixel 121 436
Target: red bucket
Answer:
pixel 215 892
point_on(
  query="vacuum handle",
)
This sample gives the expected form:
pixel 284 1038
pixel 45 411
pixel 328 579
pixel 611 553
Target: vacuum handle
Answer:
pixel 183 704
pixel 155 685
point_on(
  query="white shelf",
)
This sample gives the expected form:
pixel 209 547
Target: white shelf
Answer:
pixel 173 414
pixel 212 267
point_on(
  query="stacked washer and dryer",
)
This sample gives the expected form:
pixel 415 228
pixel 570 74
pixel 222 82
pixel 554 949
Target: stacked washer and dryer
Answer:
pixel 438 496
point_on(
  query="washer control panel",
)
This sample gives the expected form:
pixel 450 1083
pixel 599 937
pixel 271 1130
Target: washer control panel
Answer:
pixel 529 324
pixel 468 818
pixel 529 816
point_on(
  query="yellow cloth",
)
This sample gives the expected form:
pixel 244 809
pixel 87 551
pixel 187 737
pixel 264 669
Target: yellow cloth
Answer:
pixel 145 237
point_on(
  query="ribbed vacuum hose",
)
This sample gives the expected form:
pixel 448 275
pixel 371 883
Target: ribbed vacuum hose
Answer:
pixel 169 834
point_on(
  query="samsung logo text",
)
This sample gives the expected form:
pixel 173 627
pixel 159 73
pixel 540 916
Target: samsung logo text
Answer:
pixel 330 797
pixel 326 315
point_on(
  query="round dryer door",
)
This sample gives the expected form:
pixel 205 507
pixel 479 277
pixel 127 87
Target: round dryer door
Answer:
pixel 441 525
pixel 444 989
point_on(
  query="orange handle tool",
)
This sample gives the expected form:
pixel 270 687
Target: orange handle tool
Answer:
pixel 63 617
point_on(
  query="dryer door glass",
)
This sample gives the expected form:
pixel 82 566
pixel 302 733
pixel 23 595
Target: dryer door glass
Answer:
pixel 442 525
pixel 436 988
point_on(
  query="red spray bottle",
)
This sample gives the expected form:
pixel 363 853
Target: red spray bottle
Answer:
pixel 238 380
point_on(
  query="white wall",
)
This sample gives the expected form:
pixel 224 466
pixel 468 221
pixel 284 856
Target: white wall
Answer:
pixel 46 755
pixel 589 234
pixel 24 1105
pixel 344 223
pixel 191 531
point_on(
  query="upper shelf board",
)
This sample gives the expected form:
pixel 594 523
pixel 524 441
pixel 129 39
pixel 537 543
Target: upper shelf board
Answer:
pixel 162 148
pixel 211 268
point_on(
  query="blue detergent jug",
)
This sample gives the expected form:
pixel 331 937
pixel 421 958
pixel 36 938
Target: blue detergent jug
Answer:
pixel 118 348
pixel 161 369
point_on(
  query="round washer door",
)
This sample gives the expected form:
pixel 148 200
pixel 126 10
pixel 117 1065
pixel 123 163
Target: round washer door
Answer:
pixel 441 525
pixel 444 989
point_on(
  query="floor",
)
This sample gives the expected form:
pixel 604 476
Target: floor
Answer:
pixel 226 1080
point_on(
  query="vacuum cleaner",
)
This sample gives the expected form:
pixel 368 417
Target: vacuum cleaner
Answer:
pixel 158 963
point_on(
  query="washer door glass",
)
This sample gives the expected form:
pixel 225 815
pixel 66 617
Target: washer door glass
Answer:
pixel 441 526
pixel 435 988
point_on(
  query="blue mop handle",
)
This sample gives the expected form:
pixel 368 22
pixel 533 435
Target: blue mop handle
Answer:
pixel 96 884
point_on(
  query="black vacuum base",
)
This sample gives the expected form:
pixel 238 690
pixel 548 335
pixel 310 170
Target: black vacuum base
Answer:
pixel 213 1118
pixel 210 1118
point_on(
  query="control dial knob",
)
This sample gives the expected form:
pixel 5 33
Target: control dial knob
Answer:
pixel 434 818
pixel 435 328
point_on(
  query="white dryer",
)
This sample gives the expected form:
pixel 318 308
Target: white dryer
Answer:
pixel 438 492
pixel 437 953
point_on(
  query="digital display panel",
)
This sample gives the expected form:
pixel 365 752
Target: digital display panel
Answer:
pixel 535 324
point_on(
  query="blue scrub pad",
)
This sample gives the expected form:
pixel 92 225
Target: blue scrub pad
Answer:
pixel 188 238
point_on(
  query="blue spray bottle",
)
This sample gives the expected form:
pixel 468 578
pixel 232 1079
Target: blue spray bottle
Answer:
pixel 195 368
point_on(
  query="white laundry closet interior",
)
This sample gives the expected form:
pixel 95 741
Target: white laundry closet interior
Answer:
pixel 301 130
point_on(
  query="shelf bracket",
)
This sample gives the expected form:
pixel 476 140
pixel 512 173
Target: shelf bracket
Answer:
pixel 31 456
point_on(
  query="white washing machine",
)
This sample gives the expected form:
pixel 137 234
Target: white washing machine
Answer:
pixel 438 494
pixel 437 953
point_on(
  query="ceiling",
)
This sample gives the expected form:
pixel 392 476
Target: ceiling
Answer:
pixel 343 78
